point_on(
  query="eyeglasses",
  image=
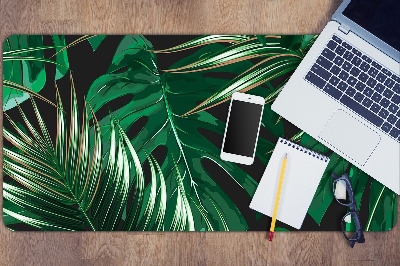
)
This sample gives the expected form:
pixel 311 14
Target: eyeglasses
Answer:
pixel 350 202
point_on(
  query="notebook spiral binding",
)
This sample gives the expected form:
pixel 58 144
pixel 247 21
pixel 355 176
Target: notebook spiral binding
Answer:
pixel 303 149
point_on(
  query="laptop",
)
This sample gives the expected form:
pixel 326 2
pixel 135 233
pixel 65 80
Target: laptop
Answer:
pixel 346 91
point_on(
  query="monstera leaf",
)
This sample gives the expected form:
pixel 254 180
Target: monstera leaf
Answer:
pixel 24 66
pixel 382 208
pixel 134 80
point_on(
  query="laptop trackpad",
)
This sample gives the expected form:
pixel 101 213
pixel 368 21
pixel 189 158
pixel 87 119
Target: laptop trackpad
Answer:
pixel 350 136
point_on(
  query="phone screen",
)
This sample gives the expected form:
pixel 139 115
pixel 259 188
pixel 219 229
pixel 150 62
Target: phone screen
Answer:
pixel 241 134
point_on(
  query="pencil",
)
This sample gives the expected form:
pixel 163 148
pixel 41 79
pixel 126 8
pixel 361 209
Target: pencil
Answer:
pixel 278 196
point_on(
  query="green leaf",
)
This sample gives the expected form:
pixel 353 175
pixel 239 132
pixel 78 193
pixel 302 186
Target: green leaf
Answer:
pixel 236 53
pixel 204 40
pixel 281 229
pixel 24 66
pixel 133 73
pixel 95 41
pixel 382 208
pixel 30 74
pixel 262 39
pixel 324 195
pixel 267 70
pixel 65 187
pixel 61 57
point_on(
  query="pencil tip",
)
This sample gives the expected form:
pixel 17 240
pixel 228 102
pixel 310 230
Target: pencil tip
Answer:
pixel 285 155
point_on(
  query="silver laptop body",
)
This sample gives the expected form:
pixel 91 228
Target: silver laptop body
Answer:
pixel 346 91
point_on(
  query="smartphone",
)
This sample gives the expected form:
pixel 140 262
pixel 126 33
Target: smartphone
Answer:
pixel 242 128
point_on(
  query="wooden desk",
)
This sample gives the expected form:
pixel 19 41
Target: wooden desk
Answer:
pixel 181 17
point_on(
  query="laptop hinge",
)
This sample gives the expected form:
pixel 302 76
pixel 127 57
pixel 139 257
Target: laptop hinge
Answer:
pixel 344 28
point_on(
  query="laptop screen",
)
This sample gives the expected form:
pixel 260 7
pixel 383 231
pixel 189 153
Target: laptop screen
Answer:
pixel 379 17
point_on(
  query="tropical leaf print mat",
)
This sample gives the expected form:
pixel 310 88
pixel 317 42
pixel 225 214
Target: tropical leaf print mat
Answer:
pixel 120 133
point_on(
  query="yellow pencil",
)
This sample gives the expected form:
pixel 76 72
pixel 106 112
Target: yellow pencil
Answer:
pixel 278 196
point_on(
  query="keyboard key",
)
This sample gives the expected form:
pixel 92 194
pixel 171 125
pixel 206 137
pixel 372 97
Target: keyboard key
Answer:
pixel 367 102
pixel 355 51
pixel 331 44
pixel 386 127
pixel 338 60
pixel 355 71
pixel 393 108
pixel 396 99
pixel 356 61
pixel 363 77
pixel 364 66
pixel 360 86
pixel 381 77
pixel 396 88
pixel 348 55
pixel 373 72
pixel 379 88
pixel 334 80
pixel 314 79
pixel 368 92
pixel 388 93
pixel 337 39
pixel 385 102
pixel 340 50
pixel 342 86
pixel 383 113
pixel 359 97
pixel 376 65
pixel 376 97
pixel 346 45
pixel 361 110
pixel 347 66
pixel 375 108
pixel 371 82
pixel 386 71
pixel 328 54
pixel 396 78
pixel 335 70
pixel 350 91
pixel 391 119
pixel 322 61
pixel 332 91
pixel 321 72
pixel 351 81
pixel 394 132
pixel 397 123
pixel 389 82
pixel 366 58
pixel 343 75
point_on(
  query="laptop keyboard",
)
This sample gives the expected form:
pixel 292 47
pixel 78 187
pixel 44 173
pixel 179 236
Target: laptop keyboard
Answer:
pixel 360 83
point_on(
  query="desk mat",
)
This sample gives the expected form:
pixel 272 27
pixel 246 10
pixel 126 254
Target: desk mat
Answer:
pixel 118 133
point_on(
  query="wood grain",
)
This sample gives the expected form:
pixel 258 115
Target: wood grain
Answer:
pixel 180 17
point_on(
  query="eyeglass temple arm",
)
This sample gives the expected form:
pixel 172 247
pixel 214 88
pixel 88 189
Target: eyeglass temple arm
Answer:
pixel 334 176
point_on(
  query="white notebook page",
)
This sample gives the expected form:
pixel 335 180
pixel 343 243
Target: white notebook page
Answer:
pixel 302 176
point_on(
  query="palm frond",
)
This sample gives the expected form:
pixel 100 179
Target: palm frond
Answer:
pixel 236 53
pixel 204 40
pixel 55 175
pixel 63 186
pixel 269 69
pixel 277 55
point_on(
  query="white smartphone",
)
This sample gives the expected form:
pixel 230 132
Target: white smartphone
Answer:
pixel 242 128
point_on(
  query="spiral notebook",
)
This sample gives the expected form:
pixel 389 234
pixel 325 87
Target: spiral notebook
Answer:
pixel 303 173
